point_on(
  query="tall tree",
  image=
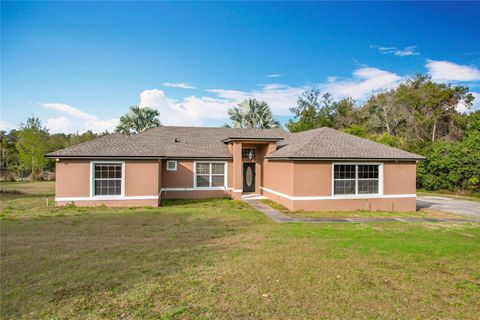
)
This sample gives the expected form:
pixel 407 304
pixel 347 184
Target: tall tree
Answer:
pixel 138 119
pixel 8 154
pixel 313 110
pixel 32 146
pixel 252 113
pixel 433 106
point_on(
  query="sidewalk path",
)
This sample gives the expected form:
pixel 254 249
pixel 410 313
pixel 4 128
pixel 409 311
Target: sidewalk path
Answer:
pixel 279 217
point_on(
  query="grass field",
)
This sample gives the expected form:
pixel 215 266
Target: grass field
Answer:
pixel 220 259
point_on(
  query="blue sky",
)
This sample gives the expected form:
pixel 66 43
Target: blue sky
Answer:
pixel 80 65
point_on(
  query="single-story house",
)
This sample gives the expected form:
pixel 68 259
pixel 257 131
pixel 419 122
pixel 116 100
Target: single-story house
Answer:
pixel 319 169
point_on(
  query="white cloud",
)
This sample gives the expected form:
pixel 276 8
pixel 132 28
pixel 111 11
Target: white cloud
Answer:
pixel 65 108
pixel 273 75
pixel 365 81
pixel 181 85
pixel 279 97
pixel 407 51
pixel 6 126
pixel 449 71
pixel 189 111
pixel 59 125
pixel 194 110
pixel 79 121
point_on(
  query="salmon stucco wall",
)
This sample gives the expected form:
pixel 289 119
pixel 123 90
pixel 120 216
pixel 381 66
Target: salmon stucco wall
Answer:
pixel 182 178
pixel 375 204
pixel 72 178
pixel 141 179
pixel 112 203
pixel 278 177
pixel 399 177
pixel 312 178
pixel 289 183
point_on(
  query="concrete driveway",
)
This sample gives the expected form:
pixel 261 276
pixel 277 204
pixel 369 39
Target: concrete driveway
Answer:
pixel 460 207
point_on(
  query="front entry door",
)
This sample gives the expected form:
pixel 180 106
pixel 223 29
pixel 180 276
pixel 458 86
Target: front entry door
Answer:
pixel 249 177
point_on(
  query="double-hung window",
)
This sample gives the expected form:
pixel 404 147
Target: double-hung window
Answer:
pixel 210 174
pixel 107 179
pixel 356 179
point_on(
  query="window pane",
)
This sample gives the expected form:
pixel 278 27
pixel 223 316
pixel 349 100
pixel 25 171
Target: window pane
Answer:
pixel 108 171
pixel 367 186
pixel 202 181
pixel 108 187
pixel 369 171
pixel 171 165
pixel 218 181
pixel 218 168
pixel 203 168
pixel 344 171
pixel 344 187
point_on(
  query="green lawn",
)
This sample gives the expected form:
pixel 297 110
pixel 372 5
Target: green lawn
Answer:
pixel 220 259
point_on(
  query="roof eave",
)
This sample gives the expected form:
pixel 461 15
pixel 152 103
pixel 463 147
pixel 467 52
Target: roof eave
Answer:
pixel 230 139
pixel 137 157
pixel 345 159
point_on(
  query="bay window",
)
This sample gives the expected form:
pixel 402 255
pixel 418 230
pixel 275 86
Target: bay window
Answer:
pixel 356 179
pixel 210 174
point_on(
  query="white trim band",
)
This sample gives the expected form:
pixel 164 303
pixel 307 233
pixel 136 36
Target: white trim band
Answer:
pixel 342 197
pixel 198 189
pixel 104 198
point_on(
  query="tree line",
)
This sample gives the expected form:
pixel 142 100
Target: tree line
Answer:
pixel 23 151
pixel 419 116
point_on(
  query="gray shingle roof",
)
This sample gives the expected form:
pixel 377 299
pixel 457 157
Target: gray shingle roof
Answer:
pixel 166 141
pixel 201 142
pixel 328 143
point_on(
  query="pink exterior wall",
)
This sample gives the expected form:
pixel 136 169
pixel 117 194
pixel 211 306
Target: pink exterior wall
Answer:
pixel 141 179
pixel 183 178
pixel 314 179
pixel 278 176
pixel 112 203
pixel 72 178
pixel 400 178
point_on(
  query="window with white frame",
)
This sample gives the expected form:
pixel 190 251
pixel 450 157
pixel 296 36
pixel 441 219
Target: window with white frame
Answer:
pixel 351 179
pixel 107 179
pixel 210 174
pixel 171 165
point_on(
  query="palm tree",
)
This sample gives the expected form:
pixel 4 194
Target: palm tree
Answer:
pixel 252 114
pixel 138 119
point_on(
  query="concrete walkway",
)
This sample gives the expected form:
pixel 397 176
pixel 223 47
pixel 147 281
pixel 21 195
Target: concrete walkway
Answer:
pixel 279 217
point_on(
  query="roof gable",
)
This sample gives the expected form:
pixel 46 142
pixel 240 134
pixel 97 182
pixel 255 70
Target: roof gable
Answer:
pixel 170 142
pixel 328 143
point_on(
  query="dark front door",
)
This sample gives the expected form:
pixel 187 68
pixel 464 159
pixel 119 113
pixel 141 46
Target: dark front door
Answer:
pixel 249 177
